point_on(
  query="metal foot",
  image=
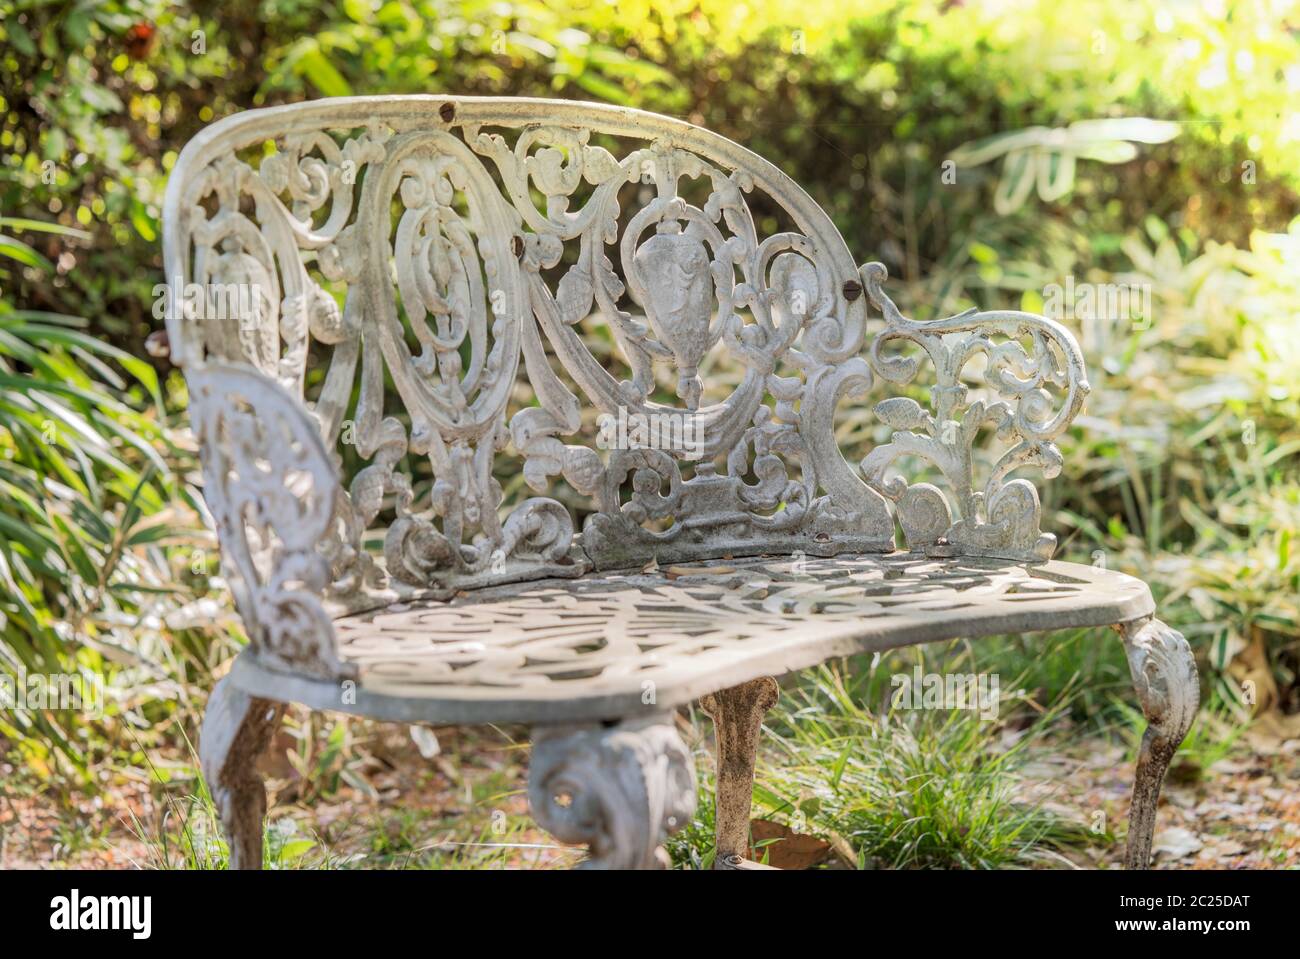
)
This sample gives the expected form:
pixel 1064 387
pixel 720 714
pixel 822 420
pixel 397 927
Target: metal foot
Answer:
pixel 621 790
pixel 1164 674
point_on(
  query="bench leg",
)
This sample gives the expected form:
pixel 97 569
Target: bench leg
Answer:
pixel 620 789
pixel 737 715
pixel 237 728
pixel 1164 674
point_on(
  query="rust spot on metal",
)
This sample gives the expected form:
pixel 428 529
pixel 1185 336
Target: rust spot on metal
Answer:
pixel 448 112
pixel 852 290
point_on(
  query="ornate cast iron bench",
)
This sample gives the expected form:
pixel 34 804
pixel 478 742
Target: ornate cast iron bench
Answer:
pixel 508 269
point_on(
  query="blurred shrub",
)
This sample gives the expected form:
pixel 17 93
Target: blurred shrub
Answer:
pixel 860 107
pixel 100 540
pixel 1199 461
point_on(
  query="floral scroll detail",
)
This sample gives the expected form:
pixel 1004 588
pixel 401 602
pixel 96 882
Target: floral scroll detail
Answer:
pixel 458 283
pixel 677 282
pixel 1034 355
pixel 410 221
pixel 485 243
pixel 287 193
pixel 273 491
pixel 620 790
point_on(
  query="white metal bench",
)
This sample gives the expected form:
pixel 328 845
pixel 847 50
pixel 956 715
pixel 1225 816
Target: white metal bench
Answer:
pixel 510 269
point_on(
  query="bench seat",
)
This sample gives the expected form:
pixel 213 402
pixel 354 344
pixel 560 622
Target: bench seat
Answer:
pixel 571 650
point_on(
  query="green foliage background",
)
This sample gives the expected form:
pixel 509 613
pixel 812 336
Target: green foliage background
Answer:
pixel 1184 469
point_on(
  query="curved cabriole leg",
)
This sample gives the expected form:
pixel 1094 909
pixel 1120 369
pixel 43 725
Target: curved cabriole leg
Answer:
pixel 237 728
pixel 737 715
pixel 1164 674
pixel 620 789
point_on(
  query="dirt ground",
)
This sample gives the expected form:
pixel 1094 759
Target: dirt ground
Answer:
pixel 1241 813
pixel 463 803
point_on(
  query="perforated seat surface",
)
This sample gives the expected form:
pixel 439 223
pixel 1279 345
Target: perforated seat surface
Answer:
pixel 604 646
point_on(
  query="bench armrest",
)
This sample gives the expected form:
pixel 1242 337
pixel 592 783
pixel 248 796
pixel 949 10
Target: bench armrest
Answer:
pixel 1027 355
pixel 275 496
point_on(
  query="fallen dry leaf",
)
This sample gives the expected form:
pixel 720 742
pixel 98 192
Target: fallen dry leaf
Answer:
pixel 1176 843
pixel 790 850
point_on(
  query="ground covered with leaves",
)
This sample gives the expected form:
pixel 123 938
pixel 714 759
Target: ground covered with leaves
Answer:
pixel 351 794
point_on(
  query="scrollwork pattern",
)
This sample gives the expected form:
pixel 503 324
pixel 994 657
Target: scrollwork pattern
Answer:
pixel 702 279
pixel 619 790
pixel 458 280
pixel 1002 518
pixel 272 490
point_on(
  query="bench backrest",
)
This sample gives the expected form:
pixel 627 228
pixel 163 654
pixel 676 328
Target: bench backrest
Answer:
pixel 558 287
